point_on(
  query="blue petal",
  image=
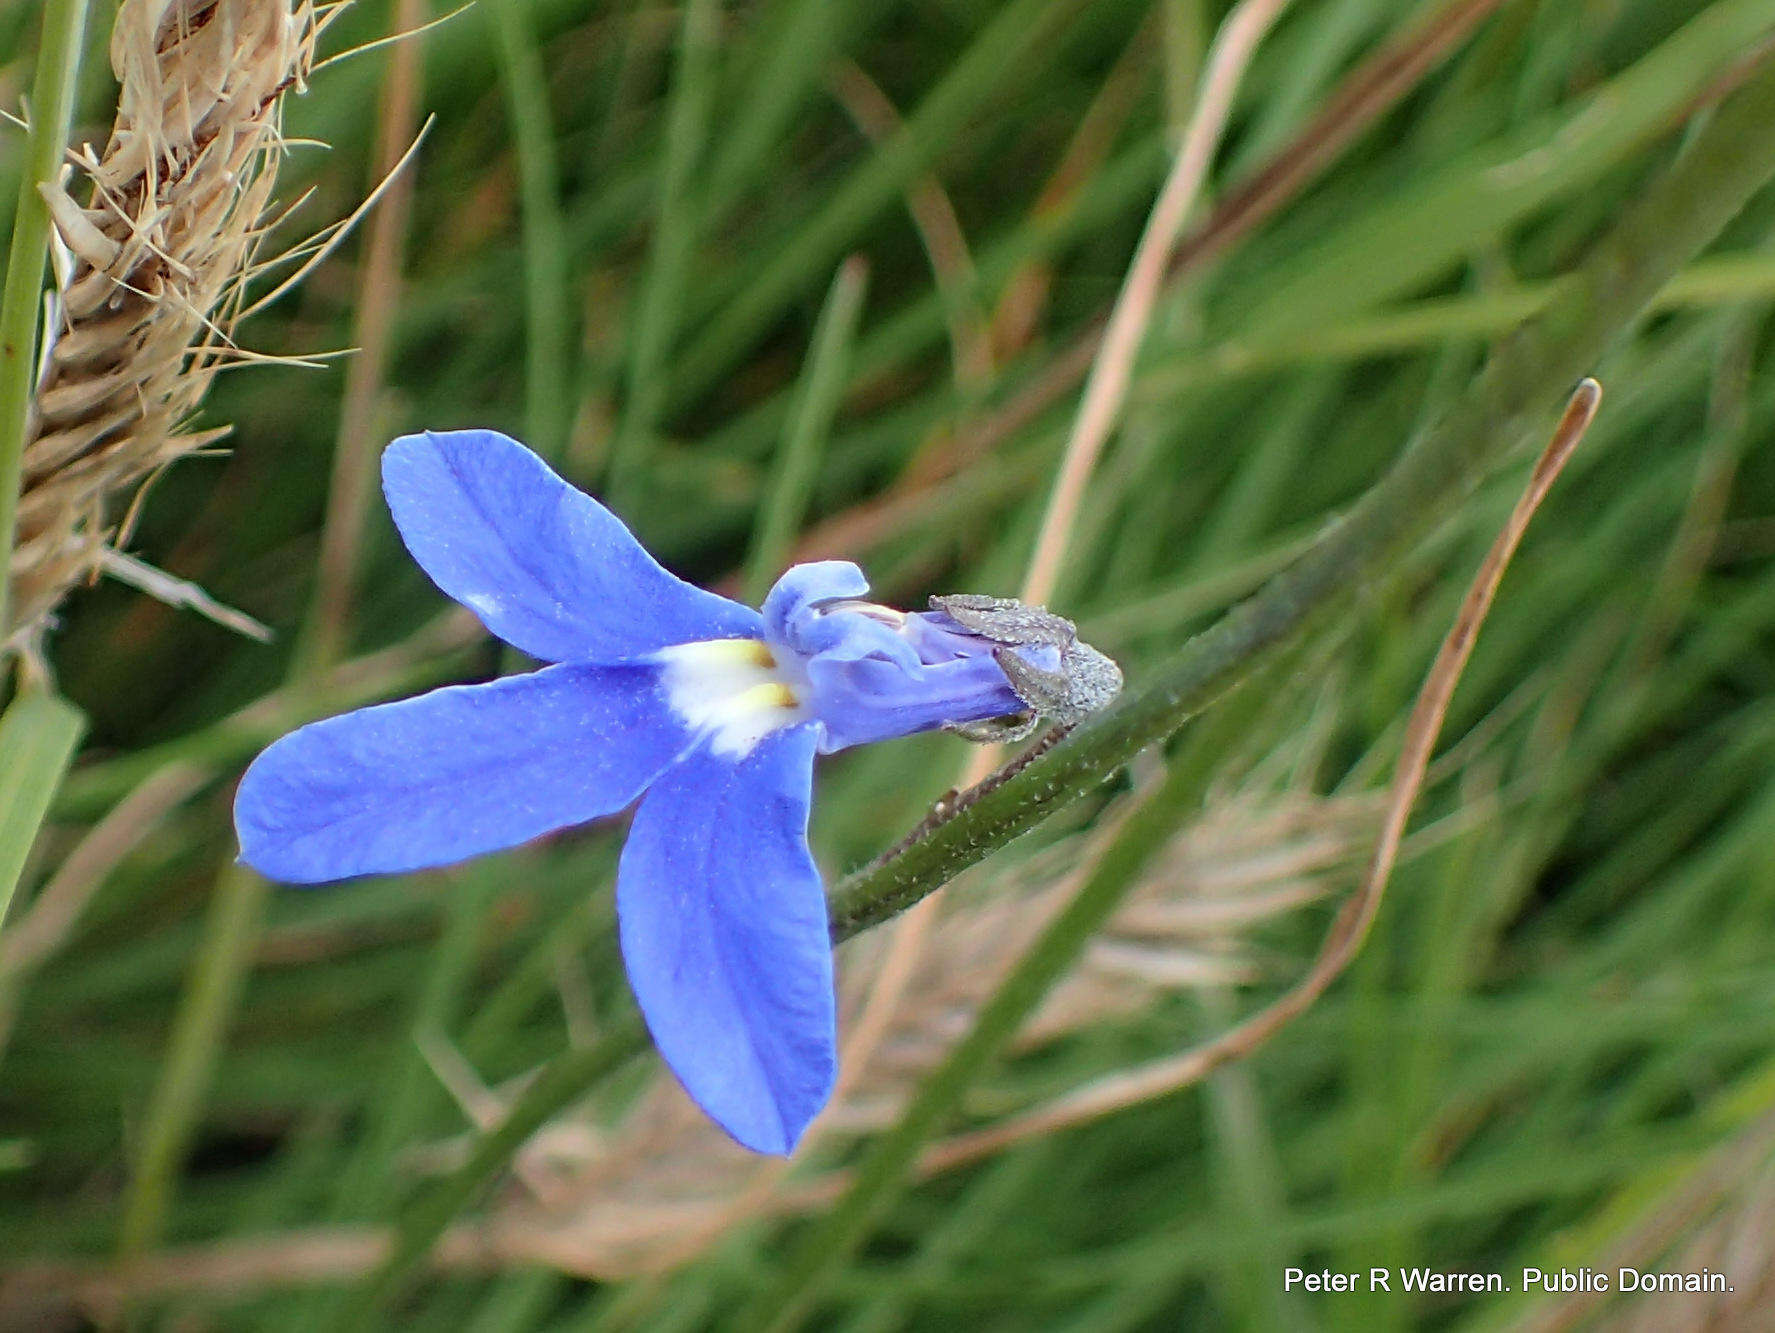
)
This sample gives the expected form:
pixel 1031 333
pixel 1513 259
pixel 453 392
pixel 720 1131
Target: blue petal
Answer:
pixel 858 703
pixel 795 616
pixel 723 927
pixel 801 586
pixel 546 567
pixel 454 773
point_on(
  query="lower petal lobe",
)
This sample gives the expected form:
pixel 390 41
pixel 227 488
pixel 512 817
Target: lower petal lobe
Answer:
pixel 454 773
pixel 723 925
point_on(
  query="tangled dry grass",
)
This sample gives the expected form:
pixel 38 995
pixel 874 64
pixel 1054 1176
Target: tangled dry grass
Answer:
pixel 152 273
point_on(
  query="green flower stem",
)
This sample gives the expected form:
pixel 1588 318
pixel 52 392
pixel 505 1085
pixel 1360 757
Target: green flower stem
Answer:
pixel 38 734
pixel 52 110
pixel 1725 164
pixel 1528 378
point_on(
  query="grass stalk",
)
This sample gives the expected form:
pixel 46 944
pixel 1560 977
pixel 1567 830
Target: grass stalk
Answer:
pixel 52 111
pixel 1112 370
pixel 236 908
pixel 677 214
pixel 161 246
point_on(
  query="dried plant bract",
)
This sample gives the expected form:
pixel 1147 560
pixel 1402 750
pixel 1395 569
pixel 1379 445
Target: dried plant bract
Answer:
pixel 157 238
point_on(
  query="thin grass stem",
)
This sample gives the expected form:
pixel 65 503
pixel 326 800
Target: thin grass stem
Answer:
pixel 1100 408
pixel 548 281
pixel 205 1009
pixel 355 449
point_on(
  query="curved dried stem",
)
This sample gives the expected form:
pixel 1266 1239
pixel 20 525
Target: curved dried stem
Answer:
pixel 1107 388
pixel 1353 920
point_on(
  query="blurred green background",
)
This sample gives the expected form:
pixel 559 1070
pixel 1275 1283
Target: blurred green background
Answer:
pixel 1558 1048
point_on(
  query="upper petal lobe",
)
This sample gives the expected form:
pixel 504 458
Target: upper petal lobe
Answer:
pixel 453 773
pixel 811 612
pixel 546 567
pixel 723 927
pixel 805 586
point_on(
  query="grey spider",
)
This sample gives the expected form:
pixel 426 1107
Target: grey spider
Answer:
pixel 1085 681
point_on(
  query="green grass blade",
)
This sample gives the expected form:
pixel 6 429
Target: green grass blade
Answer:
pixel 676 223
pixel 236 908
pixel 548 282
pixel 38 735
pixel 1015 42
pixel 1424 231
pixel 810 422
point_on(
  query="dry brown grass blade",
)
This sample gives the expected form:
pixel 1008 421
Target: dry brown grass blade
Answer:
pixel 1369 90
pixel 157 260
pixel 46 1295
pixel 1112 369
pixel 1374 86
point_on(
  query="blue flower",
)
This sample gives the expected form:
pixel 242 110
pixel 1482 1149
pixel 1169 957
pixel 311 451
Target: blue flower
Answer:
pixel 707 712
